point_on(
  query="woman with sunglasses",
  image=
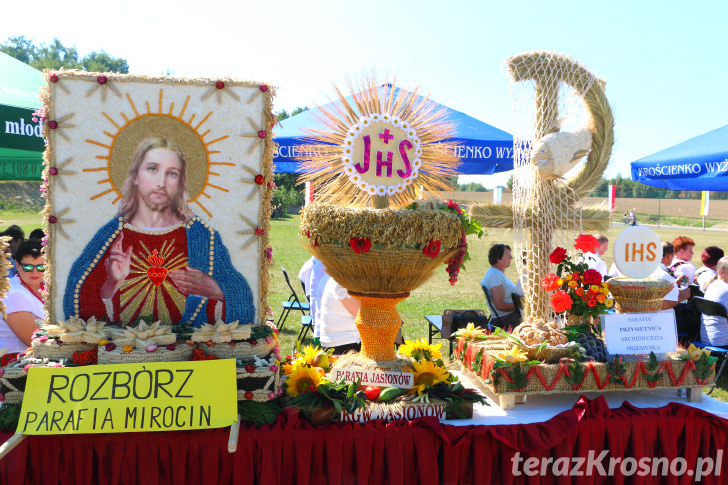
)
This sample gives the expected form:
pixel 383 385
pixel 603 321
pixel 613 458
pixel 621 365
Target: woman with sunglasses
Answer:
pixel 24 301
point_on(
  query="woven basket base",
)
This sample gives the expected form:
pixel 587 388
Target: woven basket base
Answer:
pixel 638 295
pixel 241 350
pixel 53 351
pixel 117 356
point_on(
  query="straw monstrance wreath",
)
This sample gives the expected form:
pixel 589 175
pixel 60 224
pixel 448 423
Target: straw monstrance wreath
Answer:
pixel 378 151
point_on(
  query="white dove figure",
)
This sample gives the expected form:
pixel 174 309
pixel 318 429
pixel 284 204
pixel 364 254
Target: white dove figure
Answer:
pixel 556 153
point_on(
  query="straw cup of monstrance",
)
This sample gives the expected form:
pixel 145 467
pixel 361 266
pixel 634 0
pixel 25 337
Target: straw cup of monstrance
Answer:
pixel 381 149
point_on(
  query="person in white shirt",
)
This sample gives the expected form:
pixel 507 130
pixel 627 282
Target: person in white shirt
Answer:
pixel 311 275
pixel 714 330
pixel 336 319
pixel 499 288
pixel 676 295
pixel 704 275
pixel 594 261
pixel 24 301
pixel 681 264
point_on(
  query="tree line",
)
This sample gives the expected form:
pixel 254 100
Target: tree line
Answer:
pixel 55 55
pixel 628 188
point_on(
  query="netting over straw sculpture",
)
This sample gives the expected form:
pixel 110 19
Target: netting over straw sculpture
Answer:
pixel 561 114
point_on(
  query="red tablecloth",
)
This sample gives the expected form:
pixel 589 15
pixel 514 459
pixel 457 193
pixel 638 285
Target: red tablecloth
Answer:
pixel 422 451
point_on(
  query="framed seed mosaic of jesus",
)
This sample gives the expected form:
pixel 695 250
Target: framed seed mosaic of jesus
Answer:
pixel 158 198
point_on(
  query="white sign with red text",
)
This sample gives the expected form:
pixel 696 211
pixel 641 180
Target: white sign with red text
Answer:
pixel 403 380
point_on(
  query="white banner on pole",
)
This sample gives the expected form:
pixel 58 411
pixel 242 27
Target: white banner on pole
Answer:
pixel 612 195
pixel 705 204
pixel 498 195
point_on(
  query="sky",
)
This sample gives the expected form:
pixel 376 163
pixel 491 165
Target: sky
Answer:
pixel 664 62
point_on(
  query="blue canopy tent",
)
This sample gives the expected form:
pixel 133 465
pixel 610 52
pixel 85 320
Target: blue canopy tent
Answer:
pixel 700 163
pixel 484 149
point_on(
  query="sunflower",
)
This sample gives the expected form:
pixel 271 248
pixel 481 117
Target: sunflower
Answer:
pixel 309 354
pixel 421 350
pixel 333 161
pixel 427 374
pixel 512 356
pixel 301 379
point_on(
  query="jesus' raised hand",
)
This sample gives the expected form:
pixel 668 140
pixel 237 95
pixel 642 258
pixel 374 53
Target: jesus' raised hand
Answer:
pixel 118 265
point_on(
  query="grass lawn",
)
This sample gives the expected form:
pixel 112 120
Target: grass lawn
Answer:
pixel 433 297
pixel 26 220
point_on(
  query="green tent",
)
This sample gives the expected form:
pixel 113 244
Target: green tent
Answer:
pixel 21 139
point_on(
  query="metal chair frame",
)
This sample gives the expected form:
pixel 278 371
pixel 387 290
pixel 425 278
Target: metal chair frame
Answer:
pixel 708 307
pixel 292 303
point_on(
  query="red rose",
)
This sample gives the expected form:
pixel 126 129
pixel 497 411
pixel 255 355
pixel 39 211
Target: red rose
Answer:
pixel 360 244
pixel 550 282
pixel 592 277
pixel 591 302
pixel 560 301
pixel 586 243
pixel 259 231
pixel 558 255
pixel 432 248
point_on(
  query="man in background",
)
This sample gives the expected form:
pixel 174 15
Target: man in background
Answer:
pixel 676 295
pixel 595 261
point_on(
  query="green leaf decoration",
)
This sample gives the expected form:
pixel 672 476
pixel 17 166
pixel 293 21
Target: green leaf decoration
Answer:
pixel 704 366
pixel 9 417
pixel 616 368
pixel 576 371
pixel 652 364
pixel 258 413
pixel 518 378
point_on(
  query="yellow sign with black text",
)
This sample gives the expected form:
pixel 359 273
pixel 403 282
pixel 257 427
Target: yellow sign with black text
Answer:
pixel 123 398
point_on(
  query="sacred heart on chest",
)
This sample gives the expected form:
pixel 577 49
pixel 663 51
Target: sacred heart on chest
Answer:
pixel 156 272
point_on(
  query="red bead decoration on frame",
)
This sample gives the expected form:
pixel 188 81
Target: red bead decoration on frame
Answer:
pixel 52 124
pixel 263 88
pixel 259 231
pixel 101 79
pixel 250 368
pixel 53 171
pixel 248 395
pixel 219 85
pixel 261 134
pixel 52 219
pixel 53 78
pixel 259 179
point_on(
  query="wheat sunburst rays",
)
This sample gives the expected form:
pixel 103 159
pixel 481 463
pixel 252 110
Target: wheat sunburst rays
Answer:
pixel 327 164
pixel 139 290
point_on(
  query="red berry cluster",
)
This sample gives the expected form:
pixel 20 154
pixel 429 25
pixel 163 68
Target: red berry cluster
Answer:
pixel 454 263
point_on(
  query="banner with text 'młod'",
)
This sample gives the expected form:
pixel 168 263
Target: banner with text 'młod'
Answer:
pixel 121 398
